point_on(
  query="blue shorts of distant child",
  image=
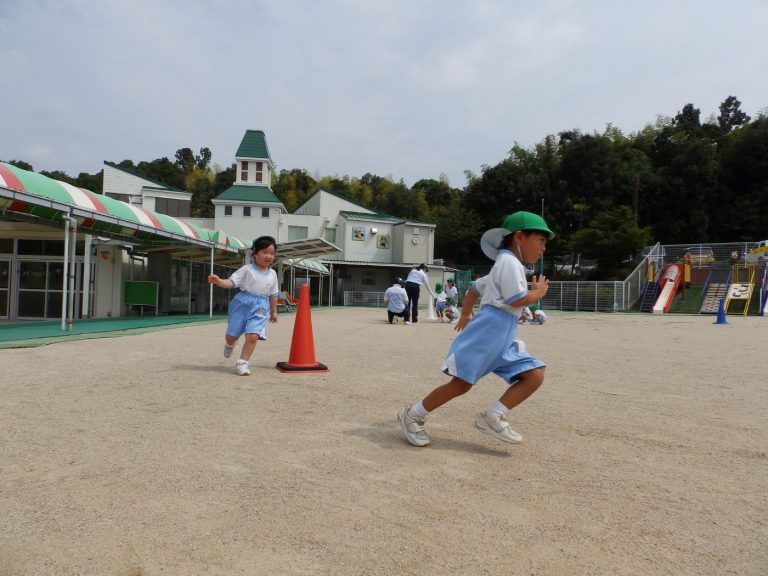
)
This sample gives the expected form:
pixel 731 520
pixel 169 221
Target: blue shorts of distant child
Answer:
pixel 488 345
pixel 248 314
pixel 440 306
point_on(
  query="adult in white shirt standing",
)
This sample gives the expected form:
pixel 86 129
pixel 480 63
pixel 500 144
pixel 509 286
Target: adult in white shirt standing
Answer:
pixel 413 283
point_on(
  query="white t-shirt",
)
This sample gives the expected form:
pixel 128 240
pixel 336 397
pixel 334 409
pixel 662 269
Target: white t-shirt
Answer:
pixel 505 283
pixel 418 276
pixel 395 297
pixel 442 296
pixel 250 279
pixel 453 292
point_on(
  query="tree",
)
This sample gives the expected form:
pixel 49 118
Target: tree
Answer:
pixel 436 193
pixel 743 184
pixel 678 197
pixel 201 183
pixel 21 164
pixel 293 187
pixel 92 182
pixel 731 115
pixel 457 234
pixel 611 238
pixel 689 119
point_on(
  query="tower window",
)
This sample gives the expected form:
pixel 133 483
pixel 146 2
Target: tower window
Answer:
pixel 259 171
pixel 244 172
pixel 227 210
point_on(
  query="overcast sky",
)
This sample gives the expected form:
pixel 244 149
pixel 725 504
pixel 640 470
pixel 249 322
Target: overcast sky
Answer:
pixel 404 88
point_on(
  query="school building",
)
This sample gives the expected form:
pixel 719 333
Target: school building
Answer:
pixel 69 253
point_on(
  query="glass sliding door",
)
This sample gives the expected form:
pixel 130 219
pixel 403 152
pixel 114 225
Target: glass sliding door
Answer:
pixel 40 289
pixel 5 288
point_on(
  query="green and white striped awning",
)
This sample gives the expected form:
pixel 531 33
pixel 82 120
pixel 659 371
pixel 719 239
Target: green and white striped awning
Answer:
pixel 306 264
pixel 34 195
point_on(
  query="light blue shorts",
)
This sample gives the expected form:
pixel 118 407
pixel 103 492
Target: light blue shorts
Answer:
pixel 440 306
pixel 488 345
pixel 248 314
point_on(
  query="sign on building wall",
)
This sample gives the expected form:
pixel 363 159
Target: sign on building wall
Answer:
pixel 383 242
pixel 358 232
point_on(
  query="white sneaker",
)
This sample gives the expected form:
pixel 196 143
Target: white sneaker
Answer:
pixel 228 350
pixel 413 429
pixel 242 368
pixel 406 322
pixel 497 428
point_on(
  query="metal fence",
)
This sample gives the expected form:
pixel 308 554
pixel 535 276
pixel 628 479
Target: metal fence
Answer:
pixel 724 253
pixel 371 299
pixel 607 296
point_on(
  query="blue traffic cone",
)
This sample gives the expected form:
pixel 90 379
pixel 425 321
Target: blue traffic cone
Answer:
pixel 721 313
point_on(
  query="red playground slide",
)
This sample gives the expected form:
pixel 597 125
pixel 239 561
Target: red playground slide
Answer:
pixel 668 285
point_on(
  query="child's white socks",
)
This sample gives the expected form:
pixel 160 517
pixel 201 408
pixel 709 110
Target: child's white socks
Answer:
pixel 417 412
pixel 497 410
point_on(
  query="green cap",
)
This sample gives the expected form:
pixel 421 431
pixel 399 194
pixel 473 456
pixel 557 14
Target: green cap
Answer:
pixel 519 221
pixel 527 221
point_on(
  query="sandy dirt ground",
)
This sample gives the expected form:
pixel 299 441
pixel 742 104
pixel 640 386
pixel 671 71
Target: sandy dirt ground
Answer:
pixel 644 453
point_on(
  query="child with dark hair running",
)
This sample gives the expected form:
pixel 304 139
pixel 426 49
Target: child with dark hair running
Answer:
pixel 254 305
pixel 488 343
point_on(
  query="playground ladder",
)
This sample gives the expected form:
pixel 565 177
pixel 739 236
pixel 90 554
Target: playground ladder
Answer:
pixel 649 297
pixel 715 289
pixel 741 291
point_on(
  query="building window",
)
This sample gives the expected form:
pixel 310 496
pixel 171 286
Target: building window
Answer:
pixel 297 233
pixel 330 235
pixel 172 207
pixel 259 171
pixel 227 210
pixel 247 211
pixel 244 172
pixel 265 212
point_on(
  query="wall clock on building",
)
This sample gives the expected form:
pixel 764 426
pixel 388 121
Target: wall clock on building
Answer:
pixel 415 240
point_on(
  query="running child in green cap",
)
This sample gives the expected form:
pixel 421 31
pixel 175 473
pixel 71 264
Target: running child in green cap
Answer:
pixel 487 343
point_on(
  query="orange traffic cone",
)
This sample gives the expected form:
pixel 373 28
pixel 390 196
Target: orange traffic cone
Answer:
pixel 302 358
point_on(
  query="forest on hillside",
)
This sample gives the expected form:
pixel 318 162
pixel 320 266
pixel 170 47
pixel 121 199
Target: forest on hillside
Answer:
pixel 607 195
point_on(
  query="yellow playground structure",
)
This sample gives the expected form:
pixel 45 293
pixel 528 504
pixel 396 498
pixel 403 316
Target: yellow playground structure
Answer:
pixel 741 289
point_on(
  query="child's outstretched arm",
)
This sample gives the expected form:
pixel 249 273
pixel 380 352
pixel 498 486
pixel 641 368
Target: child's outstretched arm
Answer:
pixel 467 308
pixel 539 287
pixel 273 308
pixel 220 282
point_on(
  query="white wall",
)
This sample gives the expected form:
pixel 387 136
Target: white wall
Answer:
pixel 266 172
pixel 149 196
pixel 247 228
pixel 119 182
pixel 108 281
pixel 416 253
pixel 312 223
pixel 311 206
pixel 365 250
pixel 328 205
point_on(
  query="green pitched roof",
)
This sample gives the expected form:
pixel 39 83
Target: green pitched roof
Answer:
pixel 242 193
pixel 367 216
pixel 254 145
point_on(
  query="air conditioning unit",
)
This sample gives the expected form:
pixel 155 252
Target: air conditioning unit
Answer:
pixel 438 262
